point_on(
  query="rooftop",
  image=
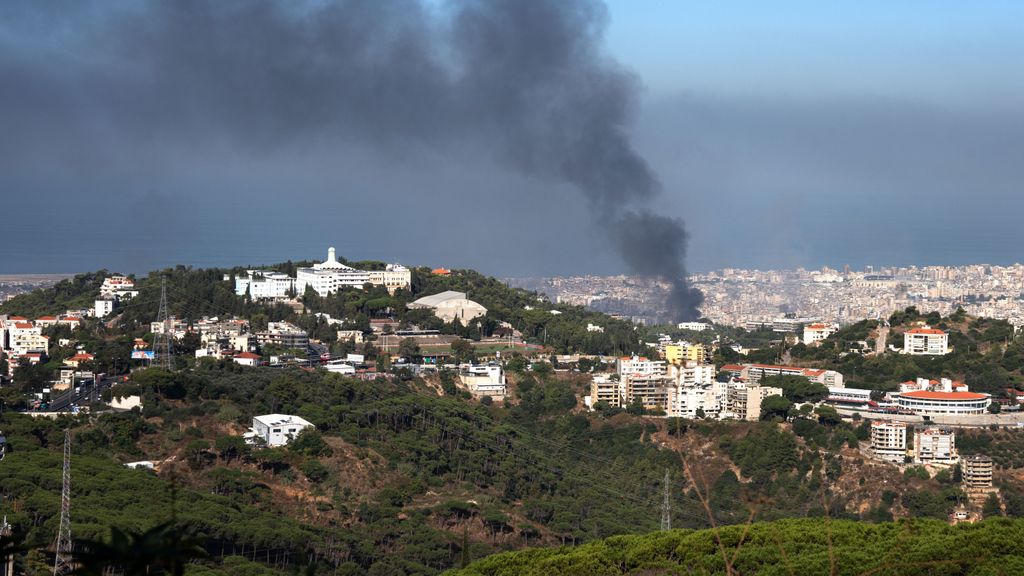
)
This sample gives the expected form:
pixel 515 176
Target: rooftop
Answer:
pixel 929 395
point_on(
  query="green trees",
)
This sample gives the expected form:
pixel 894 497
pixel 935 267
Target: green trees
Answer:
pixel 463 350
pixel 797 388
pixel 805 546
pixel 775 407
pixel 409 348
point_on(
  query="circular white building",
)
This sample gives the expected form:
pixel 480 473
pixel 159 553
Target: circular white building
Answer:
pixel 931 402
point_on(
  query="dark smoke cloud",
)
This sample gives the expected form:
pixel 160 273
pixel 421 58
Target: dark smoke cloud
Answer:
pixel 524 78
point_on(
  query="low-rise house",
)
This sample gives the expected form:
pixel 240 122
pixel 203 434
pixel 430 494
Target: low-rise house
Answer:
pixel 246 359
pixel 277 429
pixel 483 380
pixel 814 333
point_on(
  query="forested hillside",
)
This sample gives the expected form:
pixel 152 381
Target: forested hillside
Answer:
pixel 813 546
pixel 397 479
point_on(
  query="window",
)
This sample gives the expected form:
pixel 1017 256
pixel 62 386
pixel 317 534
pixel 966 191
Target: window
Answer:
pixel 277 429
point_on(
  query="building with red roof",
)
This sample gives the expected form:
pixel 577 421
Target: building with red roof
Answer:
pixel 247 359
pixel 926 341
pixel 960 403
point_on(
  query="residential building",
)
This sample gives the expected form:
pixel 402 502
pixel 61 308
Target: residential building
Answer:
pixel 118 287
pixel 265 285
pixel 703 401
pixel 450 305
pixel 814 333
pixel 26 337
pixel 246 359
pixel 691 374
pixel 103 307
pixel 283 334
pixel 743 400
pixel 926 341
pixel 277 429
pixel 604 389
pixel 685 352
pixel 889 440
pixel 594 328
pixel 977 472
pixel 935 446
pixel 483 380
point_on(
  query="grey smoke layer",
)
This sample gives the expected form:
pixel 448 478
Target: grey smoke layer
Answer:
pixel 524 79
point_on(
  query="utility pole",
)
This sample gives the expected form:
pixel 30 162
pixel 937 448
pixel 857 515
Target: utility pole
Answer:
pixel 62 560
pixel 666 504
pixel 162 341
pixel 6 531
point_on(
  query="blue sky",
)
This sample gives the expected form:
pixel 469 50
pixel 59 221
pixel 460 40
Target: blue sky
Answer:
pixel 944 52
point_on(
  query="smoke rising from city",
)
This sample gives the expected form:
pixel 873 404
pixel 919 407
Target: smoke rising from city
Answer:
pixel 528 81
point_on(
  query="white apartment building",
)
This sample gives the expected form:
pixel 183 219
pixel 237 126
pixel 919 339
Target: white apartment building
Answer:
pixel 889 440
pixel 692 374
pixel 814 333
pixel 118 287
pixel 277 429
pixel 483 380
pixel 925 341
pixel 103 307
pixel 692 402
pixel 25 337
pixel 935 446
pixel 264 285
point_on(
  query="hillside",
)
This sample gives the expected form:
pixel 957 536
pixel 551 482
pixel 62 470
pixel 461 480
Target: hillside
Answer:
pixel 986 354
pixel 811 546
pixel 406 473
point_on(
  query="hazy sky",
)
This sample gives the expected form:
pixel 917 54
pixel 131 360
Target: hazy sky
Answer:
pixel 783 133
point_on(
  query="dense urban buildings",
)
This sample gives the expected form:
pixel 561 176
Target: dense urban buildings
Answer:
pixel 739 297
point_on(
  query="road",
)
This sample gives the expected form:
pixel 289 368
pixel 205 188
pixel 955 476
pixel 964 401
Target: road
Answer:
pixel 87 393
pixel 883 335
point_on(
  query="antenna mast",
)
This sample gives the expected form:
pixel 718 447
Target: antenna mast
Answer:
pixel 62 561
pixel 666 504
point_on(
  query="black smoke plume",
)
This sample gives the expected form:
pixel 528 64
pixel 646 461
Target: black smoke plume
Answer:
pixel 526 79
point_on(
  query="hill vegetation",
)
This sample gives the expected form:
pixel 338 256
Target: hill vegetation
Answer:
pixel 812 546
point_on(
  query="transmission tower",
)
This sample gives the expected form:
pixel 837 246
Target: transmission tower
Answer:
pixel 62 562
pixel 162 341
pixel 666 504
